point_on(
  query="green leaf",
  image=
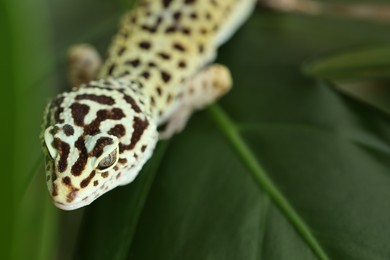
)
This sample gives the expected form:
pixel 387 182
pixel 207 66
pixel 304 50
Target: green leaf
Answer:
pixel 356 63
pixel 283 168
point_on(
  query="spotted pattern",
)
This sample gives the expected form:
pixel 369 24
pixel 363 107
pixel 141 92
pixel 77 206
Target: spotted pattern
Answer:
pixel 159 48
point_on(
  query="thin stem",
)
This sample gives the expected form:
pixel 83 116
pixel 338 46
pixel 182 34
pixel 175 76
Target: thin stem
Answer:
pixel 229 130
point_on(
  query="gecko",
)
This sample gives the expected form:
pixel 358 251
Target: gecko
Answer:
pixel 159 70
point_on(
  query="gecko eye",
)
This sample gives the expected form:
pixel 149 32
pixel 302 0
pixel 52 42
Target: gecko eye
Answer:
pixel 108 161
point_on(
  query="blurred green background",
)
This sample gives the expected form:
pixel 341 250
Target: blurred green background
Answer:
pixel 291 164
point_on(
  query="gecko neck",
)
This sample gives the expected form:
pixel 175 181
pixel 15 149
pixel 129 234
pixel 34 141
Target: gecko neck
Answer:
pixel 133 92
pixel 146 83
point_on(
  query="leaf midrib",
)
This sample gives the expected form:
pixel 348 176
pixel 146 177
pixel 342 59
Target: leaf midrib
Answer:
pixel 227 127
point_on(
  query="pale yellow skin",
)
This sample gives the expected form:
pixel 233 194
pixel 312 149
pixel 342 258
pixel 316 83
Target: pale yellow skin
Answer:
pixel 158 71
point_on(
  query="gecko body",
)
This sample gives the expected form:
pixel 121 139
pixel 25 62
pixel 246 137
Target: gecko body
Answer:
pixel 99 135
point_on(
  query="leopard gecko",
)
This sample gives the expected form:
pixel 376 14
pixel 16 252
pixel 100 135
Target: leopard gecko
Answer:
pixel 159 70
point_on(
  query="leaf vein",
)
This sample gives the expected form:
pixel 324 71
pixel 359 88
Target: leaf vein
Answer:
pixel 230 131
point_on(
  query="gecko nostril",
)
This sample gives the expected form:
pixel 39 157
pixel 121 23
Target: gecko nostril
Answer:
pixel 72 195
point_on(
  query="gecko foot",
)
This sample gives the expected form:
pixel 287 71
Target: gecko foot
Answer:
pixel 204 88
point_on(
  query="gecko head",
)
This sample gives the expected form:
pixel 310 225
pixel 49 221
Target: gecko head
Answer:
pixel 95 139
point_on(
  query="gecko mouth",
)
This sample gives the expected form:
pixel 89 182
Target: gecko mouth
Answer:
pixel 82 202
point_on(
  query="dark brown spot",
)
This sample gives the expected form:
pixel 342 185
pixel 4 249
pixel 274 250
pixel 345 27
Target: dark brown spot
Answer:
pixel 152 101
pixel 179 47
pixel 96 183
pixel 149 28
pixel 55 190
pixel 63 150
pixel 67 181
pixel 145 45
pixel 177 15
pixel 139 127
pixel 121 50
pixel 203 31
pixel 189 1
pixel 122 160
pixel 54 130
pixel 166 3
pixel 118 175
pixel 68 130
pixel 79 111
pixel 143 148
pixel 101 99
pixel 118 131
pixel 100 144
pixel 164 55
pixel 159 91
pixel 182 64
pixel 125 73
pixel 145 74
pixel 111 69
pixel 105 174
pixel 84 183
pixel 133 19
pixel 194 16
pixel 133 63
pixel 171 29
pixel 132 103
pixel 169 98
pixel 82 159
pixel 152 64
pixel 152 28
pixel 58 109
pixel 166 77
pixel 186 31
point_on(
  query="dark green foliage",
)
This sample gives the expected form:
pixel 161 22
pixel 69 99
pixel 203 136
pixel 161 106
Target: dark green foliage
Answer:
pixel 284 167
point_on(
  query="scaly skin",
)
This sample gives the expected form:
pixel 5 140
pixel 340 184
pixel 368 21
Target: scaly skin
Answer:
pixel 100 134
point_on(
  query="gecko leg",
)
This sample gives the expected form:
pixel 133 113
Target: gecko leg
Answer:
pixel 203 89
pixel 84 63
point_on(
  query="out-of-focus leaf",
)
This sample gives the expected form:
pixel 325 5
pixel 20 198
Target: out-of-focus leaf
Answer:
pixel 34 219
pixel 362 73
pixel 354 63
pixel 7 147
